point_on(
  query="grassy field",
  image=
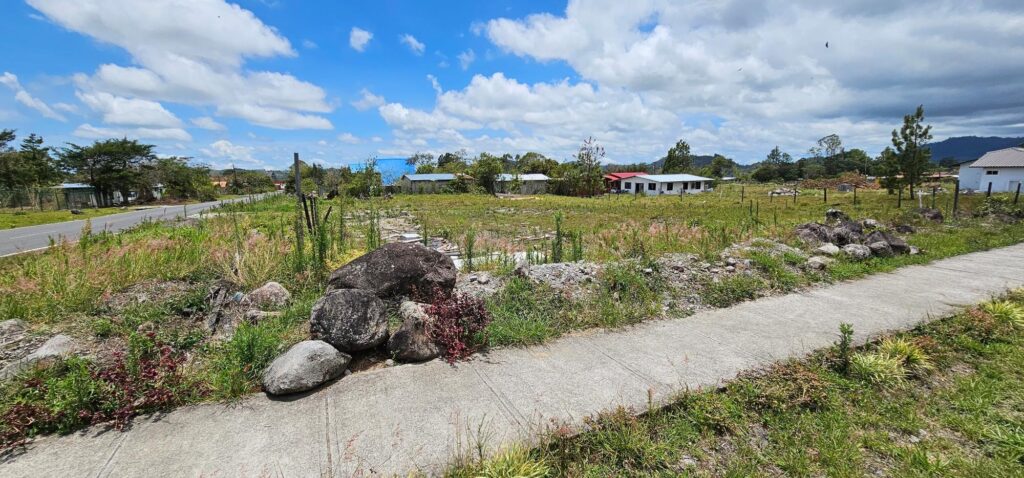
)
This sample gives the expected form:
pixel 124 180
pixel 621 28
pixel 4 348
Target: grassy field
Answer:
pixel 11 218
pixel 78 289
pixel 945 399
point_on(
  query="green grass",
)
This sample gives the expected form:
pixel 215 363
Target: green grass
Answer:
pixel 11 218
pixel 804 418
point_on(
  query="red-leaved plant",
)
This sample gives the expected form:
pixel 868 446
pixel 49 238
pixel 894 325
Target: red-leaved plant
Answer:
pixel 457 324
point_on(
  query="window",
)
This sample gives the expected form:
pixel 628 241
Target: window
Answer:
pixel 992 172
pixel 629 185
pixel 669 186
pixel 650 186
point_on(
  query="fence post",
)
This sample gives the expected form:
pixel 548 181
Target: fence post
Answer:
pixel 899 198
pixel 824 195
pixel 956 197
pixel 1016 195
pixel 742 193
pixel 854 194
pixel 299 205
pixel 934 190
pixel 988 193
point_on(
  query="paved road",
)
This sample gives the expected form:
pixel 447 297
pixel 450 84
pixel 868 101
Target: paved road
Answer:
pixel 418 417
pixel 24 239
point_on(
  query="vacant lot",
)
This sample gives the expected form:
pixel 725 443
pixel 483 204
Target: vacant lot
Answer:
pixel 141 300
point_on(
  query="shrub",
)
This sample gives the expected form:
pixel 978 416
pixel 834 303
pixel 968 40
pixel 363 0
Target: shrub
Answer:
pixel 513 463
pixel 786 387
pixel 239 362
pixel 877 369
pixel 844 346
pixel 457 324
pixel 909 353
pixel 1005 312
pixel 524 313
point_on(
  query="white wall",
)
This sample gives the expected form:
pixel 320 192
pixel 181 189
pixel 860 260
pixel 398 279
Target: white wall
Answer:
pixel 970 177
pixel 662 188
pixel 1004 182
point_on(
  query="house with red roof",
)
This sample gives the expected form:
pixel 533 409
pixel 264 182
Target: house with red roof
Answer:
pixel 617 182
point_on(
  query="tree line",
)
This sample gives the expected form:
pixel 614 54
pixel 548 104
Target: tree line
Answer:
pixel 114 168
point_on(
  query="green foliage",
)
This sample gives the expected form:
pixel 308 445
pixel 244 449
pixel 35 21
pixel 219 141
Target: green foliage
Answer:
pixel 524 313
pixel 731 290
pixel 774 268
pixel 910 354
pixel 556 242
pixel 878 369
pixel 910 144
pixel 238 363
pixel 469 248
pixel 678 159
pixel 113 165
pixel 1005 312
pixel 845 347
pixel 516 462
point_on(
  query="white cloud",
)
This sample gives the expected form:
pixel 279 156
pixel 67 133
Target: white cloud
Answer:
pixel 129 111
pixel 191 59
pixel 227 150
pixel 349 138
pixel 93 132
pixel 466 58
pixel 415 45
pixel 10 80
pixel 66 107
pixel 745 76
pixel 206 122
pixel 359 38
pixel 367 100
pixel 309 44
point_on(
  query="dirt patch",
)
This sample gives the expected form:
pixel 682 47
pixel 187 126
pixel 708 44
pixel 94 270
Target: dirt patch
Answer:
pixel 149 292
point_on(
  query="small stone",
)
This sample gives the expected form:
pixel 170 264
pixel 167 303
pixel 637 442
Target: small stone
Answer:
pixel 827 249
pixel 473 278
pixel 818 263
pixel 76 211
pixel 880 249
pixel 905 229
pixel 730 269
pixel 58 346
pixel 306 365
pixel 870 224
pixel 254 316
pixel 483 280
pixel 648 271
pixel 271 295
pixel 389 363
pixel 914 251
pixel 12 327
pixel 411 342
pixel 857 251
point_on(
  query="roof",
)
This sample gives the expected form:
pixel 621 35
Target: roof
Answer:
pixel 1001 158
pixel 72 186
pixel 673 178
pixel 430 177
pixel 618 176
pixel 523 177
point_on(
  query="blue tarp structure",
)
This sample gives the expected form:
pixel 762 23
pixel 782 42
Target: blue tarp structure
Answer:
pixel 391 169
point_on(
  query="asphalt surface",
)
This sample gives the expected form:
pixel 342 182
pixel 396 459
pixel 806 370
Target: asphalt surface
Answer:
pixel 419 417
pixel 24 239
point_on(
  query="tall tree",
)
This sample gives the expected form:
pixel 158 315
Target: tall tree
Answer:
pixel 721 166
pixel 588 163
pixel 113 165
pixel 910 143
pixel 678 159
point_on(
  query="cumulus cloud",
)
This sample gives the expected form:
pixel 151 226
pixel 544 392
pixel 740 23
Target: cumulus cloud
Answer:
pixel 733 69
pixel 225 149
pixel 367 100
pixel 466 58
pixel 182 59
pixel 349 138
pixel 415 45
pixel 97 132
pixel 206 122
pixel 129 111
pixel 10 80
pixel 359 38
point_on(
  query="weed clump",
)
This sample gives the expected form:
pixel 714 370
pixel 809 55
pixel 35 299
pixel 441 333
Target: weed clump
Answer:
pixel 731 290
pixel 457 324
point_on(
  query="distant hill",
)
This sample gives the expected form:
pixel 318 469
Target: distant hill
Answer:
pixel 700 161
pixel 965 148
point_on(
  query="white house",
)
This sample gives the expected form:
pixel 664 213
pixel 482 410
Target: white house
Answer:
pixel 527 183
pixel 424 183
pixel 668 184
pixel 1002 168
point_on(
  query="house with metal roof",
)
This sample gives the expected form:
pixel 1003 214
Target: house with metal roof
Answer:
pixel 424 183
pixel 615 182
pixel 655 184
pixel 533 183
pixel 1003 169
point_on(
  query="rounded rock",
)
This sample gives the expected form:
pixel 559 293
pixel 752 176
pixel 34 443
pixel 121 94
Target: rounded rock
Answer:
pixel 305 366
pixel 349 319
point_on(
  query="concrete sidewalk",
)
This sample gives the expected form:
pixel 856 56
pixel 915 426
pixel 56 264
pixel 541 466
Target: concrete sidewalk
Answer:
pixel 417 417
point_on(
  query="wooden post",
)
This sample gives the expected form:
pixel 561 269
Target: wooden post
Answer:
pixel 1016 195
pixel 824 195
pixel 300 210
pixel 854 194
pixel 934 190
pixel 956 197
pixel 988 193
pixel 742 193
pixel 899 198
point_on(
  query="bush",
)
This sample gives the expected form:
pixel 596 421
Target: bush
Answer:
pixel 457 324
pixel 909 353
pixel 878 369
pixel 239 362
pixel 524 313
pixel 513 463
pixel 1005 312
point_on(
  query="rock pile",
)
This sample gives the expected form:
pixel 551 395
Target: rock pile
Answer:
pixel 352 317
pixel 858 240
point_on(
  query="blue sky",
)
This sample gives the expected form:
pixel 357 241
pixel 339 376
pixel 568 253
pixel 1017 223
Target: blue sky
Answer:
pixel 248 83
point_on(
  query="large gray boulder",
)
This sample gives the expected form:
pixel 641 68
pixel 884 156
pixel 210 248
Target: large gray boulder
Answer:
pixel 857 251
pixel 59 346
pixel 397 269
pixel 834 216
pixel 818 263
pixel 349 319
pixel 269 295
pixel 931 214
pixel 898 246
pixel 305 366
pixel 828 249
pixel 847 232
pixel 813 233
pixel 411 343
pixel 880 249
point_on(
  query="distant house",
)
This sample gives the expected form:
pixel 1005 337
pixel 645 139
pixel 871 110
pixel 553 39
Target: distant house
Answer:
pixel 618 182
pixel 527 183
pixel 78 195
pixel 1002 168
pixel 655 184
pixel 424 183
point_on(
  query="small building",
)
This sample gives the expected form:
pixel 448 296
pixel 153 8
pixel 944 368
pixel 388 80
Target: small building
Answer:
pixel 77 195
pixel 617 182
pixel 655 184
pixel 424 183
pixel 523 183
pixel 1003 169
